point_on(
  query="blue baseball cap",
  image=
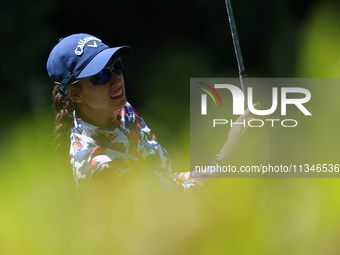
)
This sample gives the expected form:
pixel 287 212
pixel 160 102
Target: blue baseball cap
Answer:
pixel 79 56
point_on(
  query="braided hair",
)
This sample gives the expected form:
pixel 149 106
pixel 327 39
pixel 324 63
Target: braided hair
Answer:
pixel 64 108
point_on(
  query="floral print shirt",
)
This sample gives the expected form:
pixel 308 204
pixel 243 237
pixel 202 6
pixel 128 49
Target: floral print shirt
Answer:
pixel 102 157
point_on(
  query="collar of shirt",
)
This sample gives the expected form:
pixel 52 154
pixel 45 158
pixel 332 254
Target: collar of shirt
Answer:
pixel 128 121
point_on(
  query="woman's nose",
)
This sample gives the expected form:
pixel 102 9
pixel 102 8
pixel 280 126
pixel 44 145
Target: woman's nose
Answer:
pixel 116 80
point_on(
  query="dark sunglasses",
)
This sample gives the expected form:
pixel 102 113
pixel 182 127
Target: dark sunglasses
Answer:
pixel 105 75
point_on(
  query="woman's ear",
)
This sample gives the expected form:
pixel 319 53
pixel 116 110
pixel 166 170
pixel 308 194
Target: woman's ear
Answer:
pixel 73 94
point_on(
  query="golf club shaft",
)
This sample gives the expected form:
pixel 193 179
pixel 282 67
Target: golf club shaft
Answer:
pixel 237 47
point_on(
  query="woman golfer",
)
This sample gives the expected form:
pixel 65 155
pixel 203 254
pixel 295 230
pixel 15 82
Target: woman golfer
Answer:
pixel 109 139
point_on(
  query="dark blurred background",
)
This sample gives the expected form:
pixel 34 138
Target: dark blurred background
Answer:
pixel 171 41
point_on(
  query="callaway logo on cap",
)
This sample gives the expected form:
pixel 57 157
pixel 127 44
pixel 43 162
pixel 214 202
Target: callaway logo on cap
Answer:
pixel 79 56
pixel 80 48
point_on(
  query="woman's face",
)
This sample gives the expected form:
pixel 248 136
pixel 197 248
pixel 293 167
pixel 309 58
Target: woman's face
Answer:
pixel 99 104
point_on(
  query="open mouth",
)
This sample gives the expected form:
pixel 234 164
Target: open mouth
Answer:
pixel 118 95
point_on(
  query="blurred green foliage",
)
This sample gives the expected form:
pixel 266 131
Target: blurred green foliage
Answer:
pixel 172 41
pixel 40 215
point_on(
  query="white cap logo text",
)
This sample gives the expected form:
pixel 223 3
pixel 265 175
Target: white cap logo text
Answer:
pixel 81 44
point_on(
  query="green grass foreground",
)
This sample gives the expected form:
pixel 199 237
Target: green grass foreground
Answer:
pixel 41 215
